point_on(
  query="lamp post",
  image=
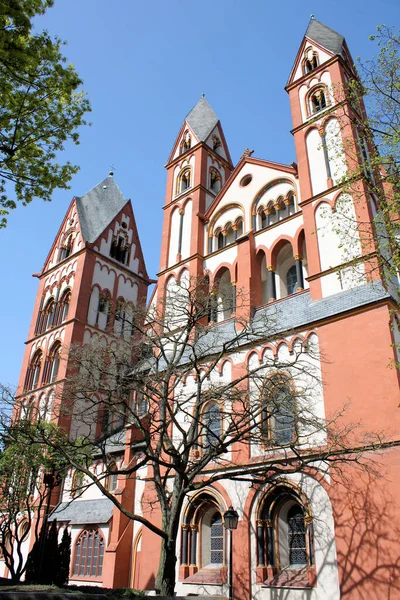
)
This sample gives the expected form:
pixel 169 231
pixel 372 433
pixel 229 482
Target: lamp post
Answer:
pixel 231 519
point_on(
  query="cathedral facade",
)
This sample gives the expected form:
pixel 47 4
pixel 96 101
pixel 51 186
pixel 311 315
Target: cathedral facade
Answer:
pixel 277 235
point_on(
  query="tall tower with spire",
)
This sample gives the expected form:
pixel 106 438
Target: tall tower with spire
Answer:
pixel 94 271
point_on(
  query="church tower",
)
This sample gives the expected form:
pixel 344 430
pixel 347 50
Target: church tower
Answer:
pixel 198 167
pixel 328 148
pixel 92 276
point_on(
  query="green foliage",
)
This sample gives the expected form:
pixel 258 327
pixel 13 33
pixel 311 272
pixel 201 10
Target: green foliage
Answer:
pixel 41 107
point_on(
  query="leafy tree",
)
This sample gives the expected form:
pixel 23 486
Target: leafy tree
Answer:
pixel 372 108
pixel 41 107
pixel 23 496
pixel 188 422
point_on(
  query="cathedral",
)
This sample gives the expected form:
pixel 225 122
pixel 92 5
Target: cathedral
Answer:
pixel 274 232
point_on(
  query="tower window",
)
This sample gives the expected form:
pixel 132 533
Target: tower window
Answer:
pixel 318 101
pixel 215 180
pixel 185 143
pixel 66 248
pixel 32 375
pixel 120 249
pixel 310 62
pixel 183 182
pixel 52 364
pixel 216 143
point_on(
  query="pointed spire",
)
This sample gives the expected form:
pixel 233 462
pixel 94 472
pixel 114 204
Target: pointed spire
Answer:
pixel 202 119
pixel 324 36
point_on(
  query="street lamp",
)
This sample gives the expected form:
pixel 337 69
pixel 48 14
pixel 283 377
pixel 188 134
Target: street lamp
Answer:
pixel 231 519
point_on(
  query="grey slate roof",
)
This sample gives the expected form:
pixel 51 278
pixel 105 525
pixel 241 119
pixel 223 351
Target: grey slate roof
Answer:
pixel 98 207
pixel 83 512
pixel 291 313
pixel 325 36
pixel 202 119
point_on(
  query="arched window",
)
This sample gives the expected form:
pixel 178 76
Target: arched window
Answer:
pixel 49 312
pixel 52 364
pixel 264 220
pixel 230 234
pixel 215 180
pixel 220 240
pixel 211 425
pixel 239 228
pixel 33 372
pixel 28 408
pixel 66 248
pixel 123 324
pixel 291 280
pixel 103 311
pixel 77 485
pixel 226 296
pixel 62 308
pixel 112 477
pixel 290 204
pixel 285 536
pixel 203 534
pixel 318 100
pixel 216 143
pixel 310 61
pixel 185 143
pixel 183 181
pixel 278 415
pixel 89 553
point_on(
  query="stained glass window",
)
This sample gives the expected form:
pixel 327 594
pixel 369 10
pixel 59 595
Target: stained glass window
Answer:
pixel 217 540
pixel 89 554
pixel 296 536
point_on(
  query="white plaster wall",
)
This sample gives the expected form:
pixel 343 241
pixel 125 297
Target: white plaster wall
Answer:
pixel 127 289
pixel 334 146
pixel 316 162
pixel 287 228
pixel 103 276
pixel 174 237
pixel 186 230
pixel 226 256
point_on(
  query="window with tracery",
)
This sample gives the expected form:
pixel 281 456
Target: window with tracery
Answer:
pixel 62 308
pixel 284 534
pixel 291 280
pixel 66 248
pixel 89 554
pixel 52 364
pixel 278 415
pixel 211 425
pixel 33 372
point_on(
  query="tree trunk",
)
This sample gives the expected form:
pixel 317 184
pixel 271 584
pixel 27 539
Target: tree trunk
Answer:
pixel 165 581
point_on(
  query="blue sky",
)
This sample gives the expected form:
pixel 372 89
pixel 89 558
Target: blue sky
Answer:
pixel 144 66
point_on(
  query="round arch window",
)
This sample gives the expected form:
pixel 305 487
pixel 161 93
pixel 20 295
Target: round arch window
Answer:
pixel 246 180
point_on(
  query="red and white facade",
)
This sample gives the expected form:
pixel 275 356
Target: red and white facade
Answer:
pixel 275 232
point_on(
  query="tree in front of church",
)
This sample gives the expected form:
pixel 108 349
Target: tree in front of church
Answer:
pixel 26 466
pixel 176 391
pixel 42 108
pixel 372 156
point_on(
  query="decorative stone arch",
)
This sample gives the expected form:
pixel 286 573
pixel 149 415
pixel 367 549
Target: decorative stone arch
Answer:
pixel 317 99
pixel 220 212
pixel 265 188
